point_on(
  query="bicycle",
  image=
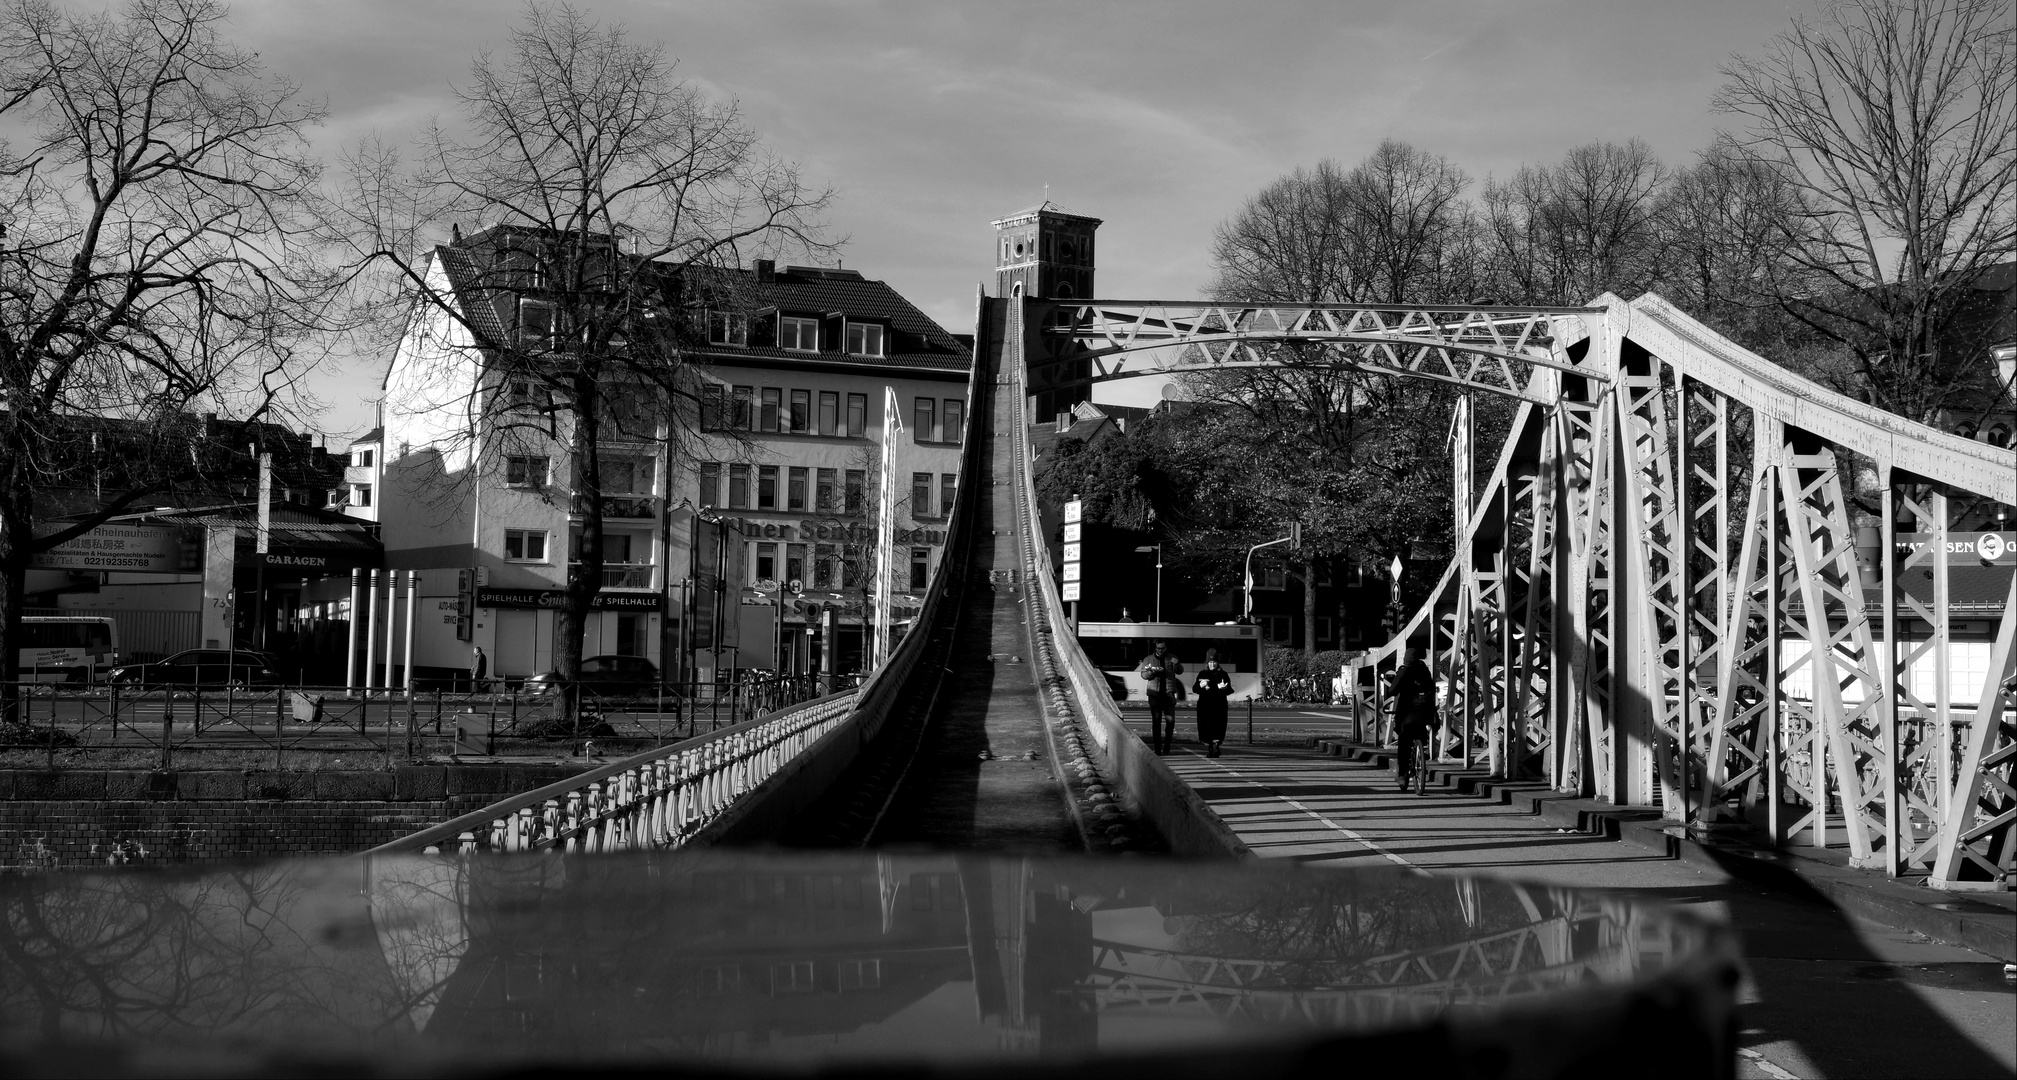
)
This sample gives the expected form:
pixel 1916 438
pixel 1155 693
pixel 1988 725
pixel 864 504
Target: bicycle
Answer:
pixel 1420 754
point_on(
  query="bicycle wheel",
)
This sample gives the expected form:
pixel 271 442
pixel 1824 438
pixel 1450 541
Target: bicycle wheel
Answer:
pixel 1422 767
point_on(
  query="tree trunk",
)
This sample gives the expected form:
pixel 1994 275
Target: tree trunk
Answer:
pixel 1310 608
pixel 584 569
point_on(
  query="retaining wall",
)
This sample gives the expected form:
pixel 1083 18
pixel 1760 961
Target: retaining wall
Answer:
pixel 97 817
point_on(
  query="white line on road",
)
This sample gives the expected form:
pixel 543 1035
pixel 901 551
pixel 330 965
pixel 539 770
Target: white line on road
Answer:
pixel 1321 819
pixel 1766 1067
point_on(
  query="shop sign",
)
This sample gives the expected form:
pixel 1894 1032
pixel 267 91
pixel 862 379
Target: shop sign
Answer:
pixel 320 560
pixel 1987 548
pixel 555 599
pixel 146 549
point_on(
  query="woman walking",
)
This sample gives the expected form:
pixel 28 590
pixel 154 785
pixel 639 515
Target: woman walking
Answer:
pixel 1213 687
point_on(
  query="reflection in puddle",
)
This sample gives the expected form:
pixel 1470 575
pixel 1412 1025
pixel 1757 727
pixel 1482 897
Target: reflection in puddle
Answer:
pixel 785 958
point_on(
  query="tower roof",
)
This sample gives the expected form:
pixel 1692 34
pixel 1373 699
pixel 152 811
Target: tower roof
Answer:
pixel 1045 208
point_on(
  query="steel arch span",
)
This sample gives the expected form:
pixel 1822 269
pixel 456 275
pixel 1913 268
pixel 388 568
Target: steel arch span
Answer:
pixel 1657 599
pixel 1499 350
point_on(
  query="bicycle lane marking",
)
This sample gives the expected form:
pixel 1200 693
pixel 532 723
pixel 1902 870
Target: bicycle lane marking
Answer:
pixel 1320 818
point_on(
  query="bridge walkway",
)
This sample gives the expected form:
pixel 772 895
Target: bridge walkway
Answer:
pixel 974 767
pixel 1826 991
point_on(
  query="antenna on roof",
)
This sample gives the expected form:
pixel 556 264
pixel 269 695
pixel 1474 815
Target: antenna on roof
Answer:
pixel 455 231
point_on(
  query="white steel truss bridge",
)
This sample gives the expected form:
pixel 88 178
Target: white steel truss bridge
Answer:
pixel 1656 596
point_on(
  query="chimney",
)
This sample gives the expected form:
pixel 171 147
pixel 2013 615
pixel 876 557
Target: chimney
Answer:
pixel 766 269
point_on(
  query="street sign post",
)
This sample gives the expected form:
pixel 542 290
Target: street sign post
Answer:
pixel 1071 569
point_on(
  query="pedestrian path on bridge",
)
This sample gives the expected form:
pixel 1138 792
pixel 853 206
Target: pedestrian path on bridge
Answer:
pixel 1826 992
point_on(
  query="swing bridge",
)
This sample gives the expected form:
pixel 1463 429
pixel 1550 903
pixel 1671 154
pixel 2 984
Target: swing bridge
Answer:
pixel 1656 596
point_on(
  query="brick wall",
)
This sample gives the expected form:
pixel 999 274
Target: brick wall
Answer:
pixel 88 818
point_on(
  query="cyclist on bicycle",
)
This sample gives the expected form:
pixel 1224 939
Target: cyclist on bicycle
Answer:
pixel 1414 709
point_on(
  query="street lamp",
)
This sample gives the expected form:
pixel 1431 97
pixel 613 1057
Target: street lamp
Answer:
pixel 1158 549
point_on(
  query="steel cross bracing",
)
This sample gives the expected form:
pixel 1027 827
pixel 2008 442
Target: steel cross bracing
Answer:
pixel 1496 350
pixel 1658 600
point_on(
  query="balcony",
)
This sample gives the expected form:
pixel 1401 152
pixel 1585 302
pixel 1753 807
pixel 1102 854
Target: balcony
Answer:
pixel 628 507
pixel 626 575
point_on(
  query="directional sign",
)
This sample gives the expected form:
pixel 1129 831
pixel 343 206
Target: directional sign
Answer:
pixel 1073 532
pixel 1074 511
pixel 1071 571
pixel 1069 591
pixel 1071 552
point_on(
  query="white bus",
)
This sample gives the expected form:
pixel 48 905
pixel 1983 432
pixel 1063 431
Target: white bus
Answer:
pixel 1117 648
pixel 67 648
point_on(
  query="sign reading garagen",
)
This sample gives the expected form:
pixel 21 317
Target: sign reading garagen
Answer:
pixel 145 549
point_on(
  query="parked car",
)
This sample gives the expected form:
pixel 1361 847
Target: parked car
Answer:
pixel 608 677
pixel 203 667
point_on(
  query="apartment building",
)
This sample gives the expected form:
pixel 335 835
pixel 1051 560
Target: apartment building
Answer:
pixel 775 520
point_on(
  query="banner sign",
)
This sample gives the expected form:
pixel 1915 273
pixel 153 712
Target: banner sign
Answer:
pixel 555 599
pixel 145 549
pixel 1986 548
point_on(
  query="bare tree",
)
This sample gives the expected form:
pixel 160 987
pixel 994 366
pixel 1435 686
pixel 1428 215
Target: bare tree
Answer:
pixel 1893 121
pixel 156 253
pixel 612 196
pixel 1563 233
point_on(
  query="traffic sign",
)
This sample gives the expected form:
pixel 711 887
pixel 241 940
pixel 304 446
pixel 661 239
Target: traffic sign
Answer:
pixel 1069 591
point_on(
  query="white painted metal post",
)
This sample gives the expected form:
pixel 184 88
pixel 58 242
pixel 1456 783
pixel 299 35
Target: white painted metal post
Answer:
pixel 371 637
pixel 412 601
pixel 356 613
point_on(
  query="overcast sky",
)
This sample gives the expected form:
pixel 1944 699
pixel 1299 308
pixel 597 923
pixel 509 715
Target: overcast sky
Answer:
pixel 931 119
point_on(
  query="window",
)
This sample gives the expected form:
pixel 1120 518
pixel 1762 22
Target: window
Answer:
pixel 535 321
pixel 525 545
pixel 800 419
pixel 822 566
pixel 948 490
pixel 727 328
pixel 766 487
pixel 823 493
pixel 360 459
pixel 765 564
pixel 627 476
pixel 920 494
pixel 710 484
pixel 955 420
pixel 857 490
pixel 794 492
pixel 800 335
pixel 738 487
pixel 772 399
pixel 829 412
pixel 1324 633
pixel 794 563
pixel 920 568
pixel 526 472
pixel 857 416
pixel 850 573
pixel 360 494
pixel 925 427
pixel 1355 576
pixel 1274 627
pixel 860 974
pixel 794 978
pixel 745 408
pixel 864 339
pixel 714 415
pixel 716 981
pixel 1271 575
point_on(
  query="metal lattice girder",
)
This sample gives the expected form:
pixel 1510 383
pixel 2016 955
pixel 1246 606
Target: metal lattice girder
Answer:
pixel 1978 840
pixel 1702 507
pixel 1653 561
pixel 1740 739
pixel 1496 350
pixel 1922 729
pixel 1848 680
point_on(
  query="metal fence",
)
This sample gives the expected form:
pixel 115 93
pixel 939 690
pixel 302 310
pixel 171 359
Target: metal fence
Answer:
pixel 166 728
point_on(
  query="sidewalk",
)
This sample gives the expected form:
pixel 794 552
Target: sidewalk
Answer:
pixel 1263 791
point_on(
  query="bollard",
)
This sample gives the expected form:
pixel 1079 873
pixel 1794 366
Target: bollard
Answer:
pixel 279 730
pixel 167 725
pixel 1250 720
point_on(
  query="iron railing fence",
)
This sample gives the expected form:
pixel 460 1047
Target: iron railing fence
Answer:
pixel 120 725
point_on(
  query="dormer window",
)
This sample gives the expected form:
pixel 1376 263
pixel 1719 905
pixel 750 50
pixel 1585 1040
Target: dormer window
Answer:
pixel 864 339
pixel 535 321
pixel 800 335
pixel 727 328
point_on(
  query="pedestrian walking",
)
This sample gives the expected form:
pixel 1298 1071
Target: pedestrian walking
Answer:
pixel 1163 677
pixel 1214 687
pixel 479 669
pixel 1414 708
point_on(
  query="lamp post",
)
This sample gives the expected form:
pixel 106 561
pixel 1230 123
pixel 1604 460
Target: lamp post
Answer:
pixel 1249 612
pixel 1158 549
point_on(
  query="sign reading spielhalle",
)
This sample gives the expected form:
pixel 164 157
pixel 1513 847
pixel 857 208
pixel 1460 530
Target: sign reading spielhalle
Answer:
pixel 1986 548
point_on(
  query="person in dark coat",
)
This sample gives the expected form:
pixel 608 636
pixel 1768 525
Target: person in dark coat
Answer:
pixel 479 668
pixel 1213 686
pixel 1162 678
pixel 1414 708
